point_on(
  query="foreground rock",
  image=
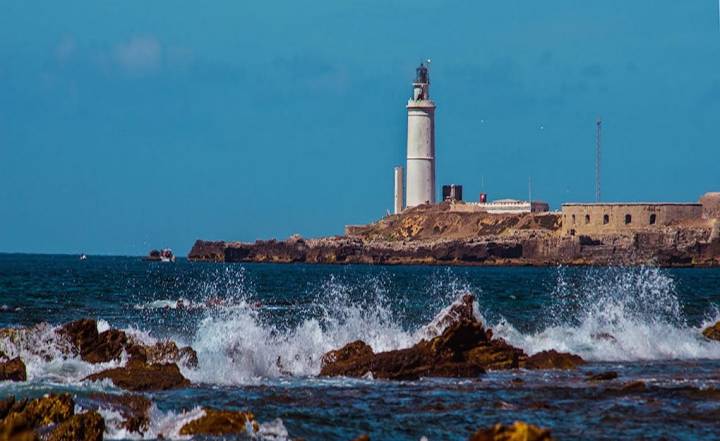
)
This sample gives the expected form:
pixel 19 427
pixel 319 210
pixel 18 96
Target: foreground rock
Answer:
pixel 141 376
pixel 13 370
pixel 24 420
pixel 88 426
pixel 519 431
pixel 221 422
pixel 102 347
pixel 463 349
pixel 712 332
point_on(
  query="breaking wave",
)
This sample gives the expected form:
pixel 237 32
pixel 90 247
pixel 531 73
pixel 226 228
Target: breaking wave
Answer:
pixel 604 314
pixel 617 314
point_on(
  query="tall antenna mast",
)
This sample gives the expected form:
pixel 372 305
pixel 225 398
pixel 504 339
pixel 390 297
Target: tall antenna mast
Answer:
pixel 598 145
pixel 530 192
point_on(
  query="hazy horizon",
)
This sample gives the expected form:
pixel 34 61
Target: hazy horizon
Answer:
pixel 130 126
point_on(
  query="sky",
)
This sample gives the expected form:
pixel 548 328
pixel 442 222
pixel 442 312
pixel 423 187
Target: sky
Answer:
pixel 130 125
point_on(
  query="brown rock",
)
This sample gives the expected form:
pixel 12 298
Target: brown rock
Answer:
pixel 135 409
pixel 50 409
pixel 88 426
pixel 140 376
pixel 352 360
pixel 464 349
pixel 13 370
pixel 712 332
pixel 553 359
pixel 109 345
pixel 92 346
pixel 460 310
pixel 21 418
pixel 519 431
pixel 167 351
pixel 6 406
pixel 15 427
pixel 220 422
pixel 362 438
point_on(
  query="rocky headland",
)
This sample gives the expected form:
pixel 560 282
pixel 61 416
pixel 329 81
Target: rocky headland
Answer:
pixel 440 234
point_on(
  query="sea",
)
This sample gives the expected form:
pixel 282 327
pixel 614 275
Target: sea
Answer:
pixel 260 331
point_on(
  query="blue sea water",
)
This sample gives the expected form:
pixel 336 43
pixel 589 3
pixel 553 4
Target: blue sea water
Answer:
pixel 260 331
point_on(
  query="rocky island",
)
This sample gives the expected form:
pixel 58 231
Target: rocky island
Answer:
pixel 661 234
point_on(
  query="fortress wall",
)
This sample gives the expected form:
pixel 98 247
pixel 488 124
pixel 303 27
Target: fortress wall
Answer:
pixel 589 219
pixel 711 205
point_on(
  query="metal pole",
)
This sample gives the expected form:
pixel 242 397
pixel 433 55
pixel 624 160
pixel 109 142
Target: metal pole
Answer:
pixel 598 145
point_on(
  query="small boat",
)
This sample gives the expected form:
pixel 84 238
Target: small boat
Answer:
pixel 164 255
pixel 83 257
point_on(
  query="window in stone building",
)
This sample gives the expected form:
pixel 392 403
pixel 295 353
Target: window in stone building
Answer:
pixel 606 219
pixel 573 218
pixel 628 219
pixel 587 218
pixel 653 219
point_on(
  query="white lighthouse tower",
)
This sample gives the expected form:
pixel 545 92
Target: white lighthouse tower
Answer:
pixel 420 188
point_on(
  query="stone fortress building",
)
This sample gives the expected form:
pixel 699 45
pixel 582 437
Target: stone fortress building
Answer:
pixel 613 218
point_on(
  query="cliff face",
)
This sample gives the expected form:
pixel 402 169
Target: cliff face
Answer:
pixel 437 235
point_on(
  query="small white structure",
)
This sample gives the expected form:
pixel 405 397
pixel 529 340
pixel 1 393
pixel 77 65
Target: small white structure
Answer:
pixel 504 206
pixel 421 142
pixel 398 190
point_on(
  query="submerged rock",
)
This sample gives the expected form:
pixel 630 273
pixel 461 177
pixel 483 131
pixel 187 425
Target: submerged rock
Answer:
pixel 603 376
pixel 13 370
pixel 88 426
pixel 712 332
pixel 519 431
pixel 140 376
pixel 553 359
pixel 633 387
pixel 221 422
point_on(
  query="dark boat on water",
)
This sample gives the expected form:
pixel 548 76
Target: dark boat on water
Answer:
pixel 164 255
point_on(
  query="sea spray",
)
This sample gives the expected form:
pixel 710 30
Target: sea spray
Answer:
pixel 615 314
pixel 238 346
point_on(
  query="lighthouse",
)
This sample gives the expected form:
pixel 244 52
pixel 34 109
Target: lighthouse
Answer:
pixel 420 187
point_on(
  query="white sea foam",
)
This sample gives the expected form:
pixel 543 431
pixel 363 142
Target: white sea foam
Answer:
pixel 606 315
pixel 618 314
pixel 238 347
pixel 49 357
pixel 165 424
pixel 168 425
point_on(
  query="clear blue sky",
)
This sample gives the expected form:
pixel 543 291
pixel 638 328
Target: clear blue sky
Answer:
pixel 127 125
